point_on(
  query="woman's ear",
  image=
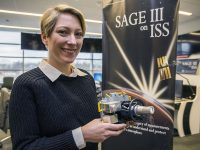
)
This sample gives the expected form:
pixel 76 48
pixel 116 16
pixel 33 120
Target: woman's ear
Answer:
pixel 44 39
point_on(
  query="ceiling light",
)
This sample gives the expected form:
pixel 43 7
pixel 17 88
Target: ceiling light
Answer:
pixel 93 21
pixel 37 29
pixel 194 33
pixel 39 15
pixel 20 13
pixel 93 33
pixel 185 13
pixel 18 27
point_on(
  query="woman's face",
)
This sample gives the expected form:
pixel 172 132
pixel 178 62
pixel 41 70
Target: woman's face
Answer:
pixel 65 41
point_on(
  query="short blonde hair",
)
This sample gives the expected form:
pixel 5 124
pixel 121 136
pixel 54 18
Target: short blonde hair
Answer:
pixel 50 16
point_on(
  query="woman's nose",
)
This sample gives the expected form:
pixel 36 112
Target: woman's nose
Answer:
pixel 71 39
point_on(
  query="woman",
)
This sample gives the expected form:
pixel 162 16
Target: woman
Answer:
pixel 54 106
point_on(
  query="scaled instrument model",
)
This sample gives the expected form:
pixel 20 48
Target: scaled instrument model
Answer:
pixel 121 107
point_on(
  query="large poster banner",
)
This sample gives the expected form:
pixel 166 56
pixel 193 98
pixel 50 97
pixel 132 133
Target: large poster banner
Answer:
pixel 139 55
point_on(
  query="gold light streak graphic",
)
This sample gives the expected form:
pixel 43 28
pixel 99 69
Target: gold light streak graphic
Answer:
pixel 141 84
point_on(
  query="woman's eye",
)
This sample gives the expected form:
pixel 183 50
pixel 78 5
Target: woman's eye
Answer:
pixel 79 35
pixel 62 32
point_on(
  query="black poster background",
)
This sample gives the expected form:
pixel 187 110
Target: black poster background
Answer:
pixel 128 48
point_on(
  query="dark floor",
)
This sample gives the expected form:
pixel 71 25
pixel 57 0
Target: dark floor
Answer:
pixel 191 142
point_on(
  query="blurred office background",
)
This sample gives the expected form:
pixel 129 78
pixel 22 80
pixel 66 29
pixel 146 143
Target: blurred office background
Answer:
pixel 16 59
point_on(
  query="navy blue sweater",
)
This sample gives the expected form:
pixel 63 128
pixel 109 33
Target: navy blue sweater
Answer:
pixel 44 113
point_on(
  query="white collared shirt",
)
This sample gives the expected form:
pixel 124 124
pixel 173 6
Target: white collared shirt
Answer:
pixel 53 73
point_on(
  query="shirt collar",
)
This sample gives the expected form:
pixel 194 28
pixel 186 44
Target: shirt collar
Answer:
pixel 52 73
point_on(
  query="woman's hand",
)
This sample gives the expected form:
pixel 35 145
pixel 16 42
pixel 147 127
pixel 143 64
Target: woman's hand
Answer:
pixel 97 131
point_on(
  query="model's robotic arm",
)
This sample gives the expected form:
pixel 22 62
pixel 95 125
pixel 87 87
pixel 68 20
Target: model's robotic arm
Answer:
pixel 120 108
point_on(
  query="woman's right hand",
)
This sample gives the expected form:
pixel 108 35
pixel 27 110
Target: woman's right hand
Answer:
pixel 97 131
